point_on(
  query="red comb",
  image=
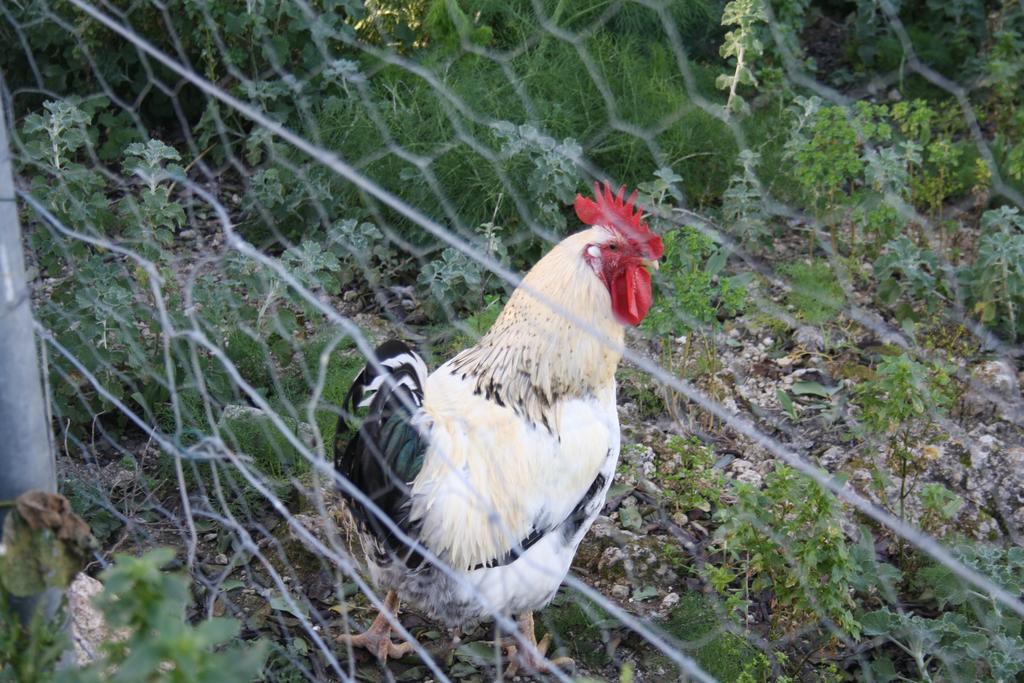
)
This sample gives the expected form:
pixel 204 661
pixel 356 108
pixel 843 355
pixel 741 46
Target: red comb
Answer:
pixel 609 210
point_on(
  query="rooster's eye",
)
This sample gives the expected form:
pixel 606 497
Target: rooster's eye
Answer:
pixel 613 246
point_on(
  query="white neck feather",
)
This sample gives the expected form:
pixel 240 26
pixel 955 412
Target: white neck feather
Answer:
pixel 533 356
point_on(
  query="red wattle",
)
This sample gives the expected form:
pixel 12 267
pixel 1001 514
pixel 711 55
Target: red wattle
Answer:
pixel 631 294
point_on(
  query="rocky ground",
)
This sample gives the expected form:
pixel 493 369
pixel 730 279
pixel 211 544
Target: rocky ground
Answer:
pixel 644 552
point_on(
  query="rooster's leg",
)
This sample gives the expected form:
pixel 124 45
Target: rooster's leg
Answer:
pixel 377 638
pixel 534 661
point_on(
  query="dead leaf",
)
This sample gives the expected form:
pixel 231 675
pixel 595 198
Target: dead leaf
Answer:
pixel 45 544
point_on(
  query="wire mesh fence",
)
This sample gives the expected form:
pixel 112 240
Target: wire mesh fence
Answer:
pixel 820 475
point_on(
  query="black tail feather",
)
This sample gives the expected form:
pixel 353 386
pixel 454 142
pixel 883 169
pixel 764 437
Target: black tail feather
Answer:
pixel 386 453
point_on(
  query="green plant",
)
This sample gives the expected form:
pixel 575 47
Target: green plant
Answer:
pixel 786 538
pixel 742 202
pixel 694 292
pixel 691 296
pixel 909 278
pixel 973 638
pixel 742 44
pixel 454 280
pixel 996 278
pixel 827 155
pixel 938 506
pixel 448 24
pixel 879 222
pixel 159 645
pixel 363 250
pixel 688 476
pixel 814 291
pixel 54 144
pixel 313 266
pixel 29 652
pixel 553 176
pixel 153 214
pixel 901 405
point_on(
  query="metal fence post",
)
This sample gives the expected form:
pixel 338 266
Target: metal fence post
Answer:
pixel 26 459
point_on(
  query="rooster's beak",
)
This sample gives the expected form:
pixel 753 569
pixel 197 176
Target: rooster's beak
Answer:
pixel 650 264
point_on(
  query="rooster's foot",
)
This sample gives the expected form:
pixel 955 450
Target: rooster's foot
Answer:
pixel 377 638
pixel 533 660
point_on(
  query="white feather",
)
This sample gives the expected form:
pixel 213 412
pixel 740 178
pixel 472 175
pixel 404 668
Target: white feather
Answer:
pixel 490 477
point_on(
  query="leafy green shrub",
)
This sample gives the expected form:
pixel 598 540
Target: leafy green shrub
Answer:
pixel 153 215
pixel 71 51
pixel 902 405
pixel 365 254
pixel 743 45
pixel 827 156
pixel 909 278
pixel 879 222
pixel 553 178
pixel 938 506
pixel 786 538
pixel 688 476
pixel 996 278
pixel 693 292
pixel 150 638
pixel 742 202
pixel 454 281
pixel 159 645
pixel 972 638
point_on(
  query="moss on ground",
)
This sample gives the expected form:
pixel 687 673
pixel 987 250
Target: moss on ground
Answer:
pixel 723 655
pixel 579 628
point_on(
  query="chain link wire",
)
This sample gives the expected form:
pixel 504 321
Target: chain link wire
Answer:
pixel 228 205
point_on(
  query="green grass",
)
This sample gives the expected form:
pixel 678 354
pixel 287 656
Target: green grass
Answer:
pixel 256 436
pixel 816 294
pixel 648 98
pixel 298 382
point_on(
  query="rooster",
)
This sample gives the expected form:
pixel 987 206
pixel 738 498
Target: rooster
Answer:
pixel 499 461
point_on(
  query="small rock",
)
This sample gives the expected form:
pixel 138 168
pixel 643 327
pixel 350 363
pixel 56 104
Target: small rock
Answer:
pixel 620 591
pixel 611 556
pixel 744 471
pixel 187 234
pixel 995 387
pixel 670 601
pixel 88 629
pixel 834 458
pixel 809 337
pixel 221 559
pixel 981 449
pixel 350 296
